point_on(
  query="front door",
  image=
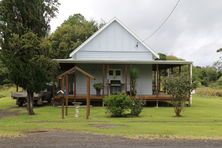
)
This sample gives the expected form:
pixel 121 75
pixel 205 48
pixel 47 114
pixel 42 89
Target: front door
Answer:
pixel 115 80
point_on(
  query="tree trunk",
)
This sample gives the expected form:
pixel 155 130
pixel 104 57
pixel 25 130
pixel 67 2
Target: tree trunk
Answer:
pixel 16 88
pixel 30 95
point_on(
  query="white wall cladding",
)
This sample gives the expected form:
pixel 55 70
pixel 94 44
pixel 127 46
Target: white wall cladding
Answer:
pixel 93 69
pixel 109 55
pixel 144 81
pixel 114 43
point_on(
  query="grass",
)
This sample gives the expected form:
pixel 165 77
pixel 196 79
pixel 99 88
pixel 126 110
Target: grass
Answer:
pixel 202 120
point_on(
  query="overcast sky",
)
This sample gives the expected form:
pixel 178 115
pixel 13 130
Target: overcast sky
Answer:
pixel 193 32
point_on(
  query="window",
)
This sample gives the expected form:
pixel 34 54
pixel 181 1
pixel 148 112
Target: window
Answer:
pixel 111 72
pixel 118 72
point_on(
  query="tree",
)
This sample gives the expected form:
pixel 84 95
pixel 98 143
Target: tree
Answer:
pixel 180 88
pixel 73 32
pixel 33 70
pixel 205 75
pixel 23 24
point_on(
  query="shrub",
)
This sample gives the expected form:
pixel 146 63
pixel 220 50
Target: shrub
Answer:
pixel 180 88
pixel 136 107
pixel 122 105
pixel 196 84
pixel 118 105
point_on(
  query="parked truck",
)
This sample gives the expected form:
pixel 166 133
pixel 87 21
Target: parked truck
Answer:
pixel 38 99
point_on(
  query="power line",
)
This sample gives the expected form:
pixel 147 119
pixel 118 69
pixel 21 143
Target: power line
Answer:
pixel 164 21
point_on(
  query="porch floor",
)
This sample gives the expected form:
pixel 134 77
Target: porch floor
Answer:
pixel 98 98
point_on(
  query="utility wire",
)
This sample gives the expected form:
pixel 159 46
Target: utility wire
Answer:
pixel 164 21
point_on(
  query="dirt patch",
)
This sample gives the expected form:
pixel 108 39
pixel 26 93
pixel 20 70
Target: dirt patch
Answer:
pixel 7 113
pixel 45 121
pixel 36 131
pixel 176 121
pixel 107 126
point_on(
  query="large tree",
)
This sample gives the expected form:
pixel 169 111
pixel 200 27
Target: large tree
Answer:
pixel 73 32
pixel 23 24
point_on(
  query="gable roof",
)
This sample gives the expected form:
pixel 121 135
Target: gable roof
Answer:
pixel 73 70
pixel 103 28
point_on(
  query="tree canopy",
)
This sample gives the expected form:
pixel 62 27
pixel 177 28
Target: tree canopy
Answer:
pixel 33 69
pixel 205 75
pixel 27 15
pixel 73 32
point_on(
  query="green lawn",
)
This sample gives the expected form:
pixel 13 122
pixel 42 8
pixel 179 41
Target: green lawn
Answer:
pixel 202 120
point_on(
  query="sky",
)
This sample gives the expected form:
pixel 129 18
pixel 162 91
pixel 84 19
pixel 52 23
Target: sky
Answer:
pixel 193 32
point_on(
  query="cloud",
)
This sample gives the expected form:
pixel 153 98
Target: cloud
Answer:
pixel 193 32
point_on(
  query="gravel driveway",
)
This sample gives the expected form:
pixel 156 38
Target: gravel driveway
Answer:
pixel 61 139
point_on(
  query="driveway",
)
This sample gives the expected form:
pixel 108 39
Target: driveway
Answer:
pixel 61 139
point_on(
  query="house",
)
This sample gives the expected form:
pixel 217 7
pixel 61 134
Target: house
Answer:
pixel 107 56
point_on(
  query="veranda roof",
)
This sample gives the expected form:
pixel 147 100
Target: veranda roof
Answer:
pixel 162 62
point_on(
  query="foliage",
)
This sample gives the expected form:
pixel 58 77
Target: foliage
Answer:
pixel 73 32
pixel 136 107
pixel 219 81
pixel 171 57
pixel 20 17
pixel 218 64
pixel 162 56
pixel 196 84
pixel 34 69
pixel 23 25
pixel 205 75
pixel 118 105
pixel 133 76
pixel 208 91
pixel 180 88
pixel 3 74
pixel 98 86
pixel 122 105
pixel 168 57
pixel 219 50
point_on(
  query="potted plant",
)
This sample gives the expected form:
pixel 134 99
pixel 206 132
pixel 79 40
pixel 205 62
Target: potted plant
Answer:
pixel 133 77
pixel 98 87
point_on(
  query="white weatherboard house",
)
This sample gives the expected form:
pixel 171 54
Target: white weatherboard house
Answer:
pixel 107 56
